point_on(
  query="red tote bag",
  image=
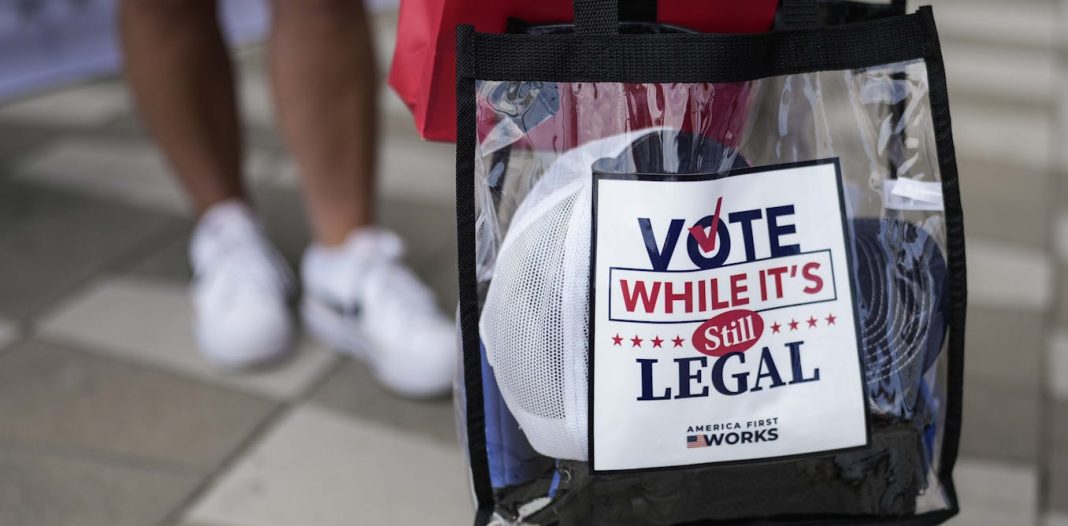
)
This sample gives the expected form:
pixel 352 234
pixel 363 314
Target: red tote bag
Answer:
pixel 423 72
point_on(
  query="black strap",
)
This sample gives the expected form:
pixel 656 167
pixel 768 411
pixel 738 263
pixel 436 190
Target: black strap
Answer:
pixel 601 17
pixel 799 14
pixel 596 17
pixel 637 10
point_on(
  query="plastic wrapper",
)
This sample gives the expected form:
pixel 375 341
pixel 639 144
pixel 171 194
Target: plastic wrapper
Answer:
pixel 725 301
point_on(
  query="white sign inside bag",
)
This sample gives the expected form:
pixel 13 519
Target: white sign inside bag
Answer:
pixel 723 324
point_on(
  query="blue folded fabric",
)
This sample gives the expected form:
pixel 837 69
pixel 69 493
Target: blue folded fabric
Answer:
pixel 512 460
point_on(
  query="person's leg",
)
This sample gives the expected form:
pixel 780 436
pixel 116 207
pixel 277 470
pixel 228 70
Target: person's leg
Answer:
pixel 359 297
pixel 179 71
pixel 324 78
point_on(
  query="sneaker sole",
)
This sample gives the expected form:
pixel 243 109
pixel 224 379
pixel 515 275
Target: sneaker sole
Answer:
pixel 269 360
pixel 332 329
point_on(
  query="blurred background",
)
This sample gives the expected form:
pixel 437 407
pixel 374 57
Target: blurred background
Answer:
pixel 109 417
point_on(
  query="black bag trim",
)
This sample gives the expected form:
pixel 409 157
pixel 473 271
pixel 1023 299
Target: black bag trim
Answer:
pixel 801 14
pixel 638 11
pixel 955 254
pixel 695 57
pixel 468 284
pixel 704 58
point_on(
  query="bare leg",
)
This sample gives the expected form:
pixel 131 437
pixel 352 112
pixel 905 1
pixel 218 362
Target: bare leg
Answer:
pixel 324 78
pixel 179 69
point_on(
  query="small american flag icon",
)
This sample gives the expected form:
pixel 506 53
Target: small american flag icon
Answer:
pixel 693 441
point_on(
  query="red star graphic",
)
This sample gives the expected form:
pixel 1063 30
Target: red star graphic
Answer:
pixel 793 325
pixel 617 340
pixel 657 341
pixel 775 327
pixel 812 321
pixel 830 319
pixel 678 341
pixel 636 341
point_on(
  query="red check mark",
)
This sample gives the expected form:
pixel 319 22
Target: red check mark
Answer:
pixel 707 241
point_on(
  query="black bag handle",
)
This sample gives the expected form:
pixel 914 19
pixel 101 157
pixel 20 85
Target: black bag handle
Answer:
pixel 601 17
pixel 808 14
pixel 799 14
pixel 596 17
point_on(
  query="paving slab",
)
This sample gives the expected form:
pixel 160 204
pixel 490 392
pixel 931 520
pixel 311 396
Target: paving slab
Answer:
pixel 17 140
pixel 427 228
pixel 256 138
pixel 1000 424
pixel 1005 348
pixel 45 489
pixel 1057 484
pixel 1026 24
pixel 1060 234
pixel 994 73
pixel 282 212
pixel 168 262
pixel 284 217
pixel 1055 519
pixel 149 322
pixel 408 167
pixel 441 277
pixel 1008 275
pixel 130 171
pixel 1057 370
pixel 414 168
pixel 431 252
pixel 85 106
pixel 9 332
pixel 1003 134
pixel 1057 461
pixel 56 397
pixel 1005 203
pixel 995 493
pixel 353 390
pixel 53 240
pixel 1060 309
pixel 254 94
pixel 320 468
pixel 429 231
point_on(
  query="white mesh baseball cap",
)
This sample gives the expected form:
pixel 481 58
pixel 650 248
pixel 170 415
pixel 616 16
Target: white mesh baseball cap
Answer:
pixel 535 320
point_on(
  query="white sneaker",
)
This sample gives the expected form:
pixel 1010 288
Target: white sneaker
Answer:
pixel 360 298
pixel 241 289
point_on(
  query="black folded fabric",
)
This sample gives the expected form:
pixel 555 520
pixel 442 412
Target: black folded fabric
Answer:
pixel 881 480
